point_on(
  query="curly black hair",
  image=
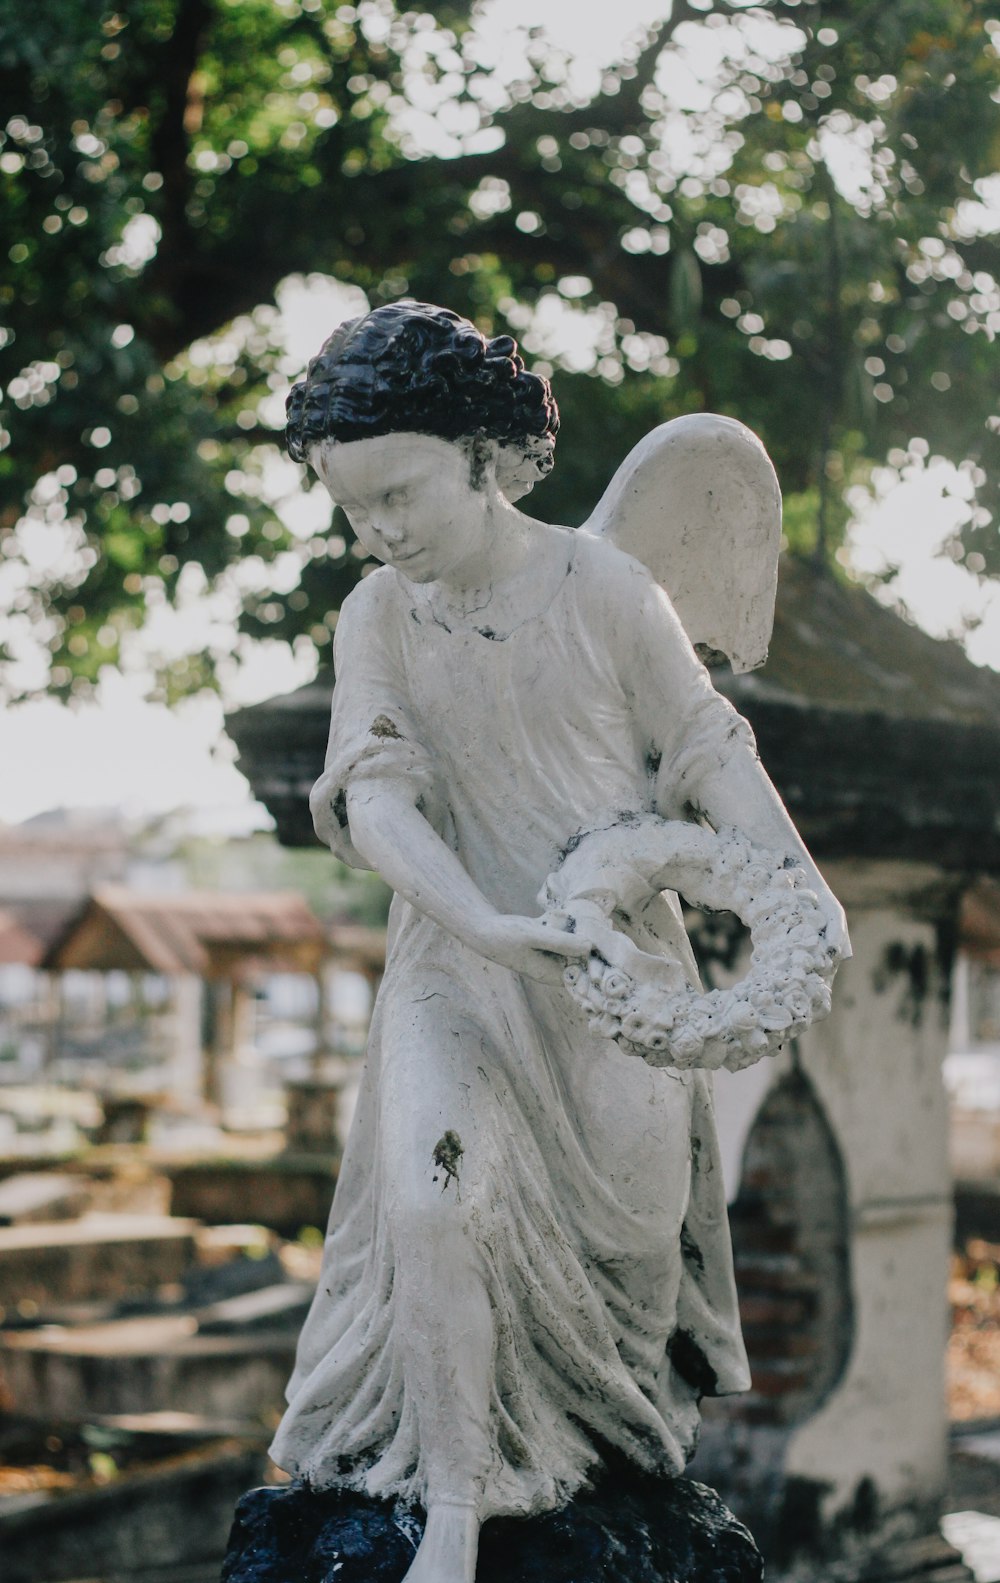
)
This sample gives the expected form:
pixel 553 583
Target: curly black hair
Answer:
pixel 409 367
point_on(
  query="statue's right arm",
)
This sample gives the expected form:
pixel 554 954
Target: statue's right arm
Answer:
pixel 368 803
pixel 393 836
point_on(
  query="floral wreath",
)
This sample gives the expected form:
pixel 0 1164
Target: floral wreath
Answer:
pixel 619 870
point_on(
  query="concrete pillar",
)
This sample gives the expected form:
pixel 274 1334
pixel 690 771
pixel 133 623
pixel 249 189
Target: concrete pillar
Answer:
pixel 877 1067
pixel 187 1060
pixel 244 1021
pixel 53 1013
pixel 321 1052
pixel 872 1454
pixel 220 1037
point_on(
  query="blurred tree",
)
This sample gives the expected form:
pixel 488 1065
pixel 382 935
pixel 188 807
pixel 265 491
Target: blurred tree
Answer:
pixel 785 211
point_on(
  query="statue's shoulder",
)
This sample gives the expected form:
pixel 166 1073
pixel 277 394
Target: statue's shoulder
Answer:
pixel 608 576
pixel 371 597
pixel 367 619
pixel 620 599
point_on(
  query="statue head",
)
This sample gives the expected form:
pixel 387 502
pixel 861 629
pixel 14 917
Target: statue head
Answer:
pixel 409 367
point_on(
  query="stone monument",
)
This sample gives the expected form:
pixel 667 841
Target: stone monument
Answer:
pixel 528 1285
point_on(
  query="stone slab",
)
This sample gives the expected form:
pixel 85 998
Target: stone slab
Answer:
pixel 41 1196
pixel 267 1308
pixel 285 1193
pixel 147 1365
pixel 176 1427
pixel 168 1519
pixel 99 1256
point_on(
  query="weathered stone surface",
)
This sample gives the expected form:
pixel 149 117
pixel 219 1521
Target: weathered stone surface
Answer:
pixel 627 1530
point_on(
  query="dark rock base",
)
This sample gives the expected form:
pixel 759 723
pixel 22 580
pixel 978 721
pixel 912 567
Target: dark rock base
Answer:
pixel 628 1529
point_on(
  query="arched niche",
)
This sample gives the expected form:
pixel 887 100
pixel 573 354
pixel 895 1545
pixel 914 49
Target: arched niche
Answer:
pixel 791 1243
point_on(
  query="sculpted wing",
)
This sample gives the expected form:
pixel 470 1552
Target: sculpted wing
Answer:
pixel 697 501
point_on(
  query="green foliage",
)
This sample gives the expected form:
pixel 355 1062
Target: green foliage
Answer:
pixel 801 241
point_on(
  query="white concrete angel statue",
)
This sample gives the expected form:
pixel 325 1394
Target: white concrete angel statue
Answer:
pixel 528 1255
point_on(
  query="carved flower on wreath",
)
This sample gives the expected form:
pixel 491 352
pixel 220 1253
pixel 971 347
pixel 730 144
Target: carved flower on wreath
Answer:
pixel 802 962
pixel 701 1022
pixel 797 1002
pixel 775 1019
pixel 616 984
pixel 635 1026
pixel 649 1001
pixel 755 878
pixel 761 996
pixel 686 1045
pixel 741 1016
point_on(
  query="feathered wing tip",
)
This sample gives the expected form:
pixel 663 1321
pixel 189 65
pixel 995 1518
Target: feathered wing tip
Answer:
pixel 697 501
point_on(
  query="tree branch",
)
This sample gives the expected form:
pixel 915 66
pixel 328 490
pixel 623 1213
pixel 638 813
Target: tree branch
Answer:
pixel 198 281
pixel 169 145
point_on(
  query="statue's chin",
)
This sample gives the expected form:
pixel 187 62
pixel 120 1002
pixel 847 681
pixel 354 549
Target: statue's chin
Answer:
pixel 415 571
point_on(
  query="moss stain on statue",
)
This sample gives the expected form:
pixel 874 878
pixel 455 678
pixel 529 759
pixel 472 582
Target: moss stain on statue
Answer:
pixel 447 1154
pixel 383 728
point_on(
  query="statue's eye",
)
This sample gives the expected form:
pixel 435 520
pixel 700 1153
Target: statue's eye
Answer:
pixel 395 497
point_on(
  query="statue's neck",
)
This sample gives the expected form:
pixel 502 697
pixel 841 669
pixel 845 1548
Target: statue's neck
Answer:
pixel 506 546
pixel 515 586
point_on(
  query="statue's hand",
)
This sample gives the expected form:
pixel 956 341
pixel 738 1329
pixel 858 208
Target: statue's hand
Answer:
pixel 836 938
pixel 608 947
pixel 836 929
pixel 528 945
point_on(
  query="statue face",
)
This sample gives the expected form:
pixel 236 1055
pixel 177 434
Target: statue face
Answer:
pixel 411 501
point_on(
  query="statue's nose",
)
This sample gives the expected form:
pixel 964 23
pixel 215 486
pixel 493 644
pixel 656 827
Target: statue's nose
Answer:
pixel 390 532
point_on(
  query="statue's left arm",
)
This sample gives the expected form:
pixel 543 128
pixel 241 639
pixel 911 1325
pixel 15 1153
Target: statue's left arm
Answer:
pixel 731 786
pixel 703 751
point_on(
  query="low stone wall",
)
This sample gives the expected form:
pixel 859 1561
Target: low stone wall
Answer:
pixel 99 1373
pixel 99 1256
pixel 284 1193
pixel 160 1518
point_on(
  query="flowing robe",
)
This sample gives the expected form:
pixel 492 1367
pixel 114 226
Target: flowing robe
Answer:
pixel 585 1186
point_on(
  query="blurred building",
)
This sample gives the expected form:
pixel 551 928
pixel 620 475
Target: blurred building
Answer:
pixel 221 942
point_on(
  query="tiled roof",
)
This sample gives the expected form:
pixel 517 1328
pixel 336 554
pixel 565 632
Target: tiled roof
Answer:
pixel 181 933
pixel 17 943
pixel 834 647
